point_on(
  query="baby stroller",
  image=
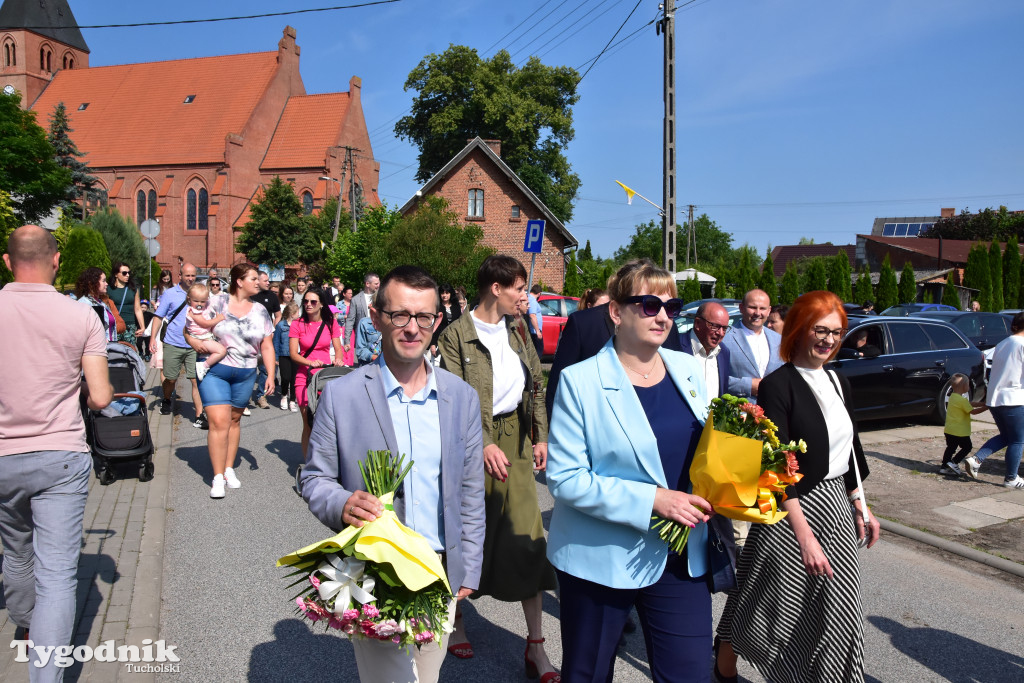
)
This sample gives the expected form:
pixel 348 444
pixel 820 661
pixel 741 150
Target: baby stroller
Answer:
pixel 121 430
pixel 313 391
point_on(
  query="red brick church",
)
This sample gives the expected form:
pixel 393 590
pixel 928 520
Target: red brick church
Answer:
pixel 189 142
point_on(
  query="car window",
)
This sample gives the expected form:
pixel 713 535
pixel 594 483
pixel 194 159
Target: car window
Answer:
pixel 872 336
pixel 549 307
pixel 969 325
pixel 909 338
pixel 944 338
pixel 994 325
pixel 571 306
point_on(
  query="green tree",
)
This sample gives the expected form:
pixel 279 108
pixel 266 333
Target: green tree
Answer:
pixel 274 234
pixel 977 276
pixel 573 278
pixel 84 248
pixel 815 277
pixel 907 290
pixel 29 172
pixel 987 224
pixel 8 224
pixel 1011 273
pixel 124 242
pixel 766 279
pixel 586 254
pixel 722 288
pixel 435 239
pixel 950 296
pixel 644 243
pixel 746 275
pixel 887 294
pixel 68 156
pixel 995 272
pixel 839 280
pixel 790 288
pixel 714 245
pixel 65 223
pixel 690 291
pixel 460 95
pixel 349 257
pixel 863 291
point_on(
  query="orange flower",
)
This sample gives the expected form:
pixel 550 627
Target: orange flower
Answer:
pixel 792 466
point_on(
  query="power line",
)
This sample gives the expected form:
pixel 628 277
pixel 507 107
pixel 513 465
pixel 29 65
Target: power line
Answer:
pixel 609 41
pixel 218 19
pixel 593 18
pixel 533 26
pixel 552 26
pixel 516 27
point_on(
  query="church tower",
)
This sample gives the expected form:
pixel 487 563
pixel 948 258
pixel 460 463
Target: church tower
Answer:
pixel 37 39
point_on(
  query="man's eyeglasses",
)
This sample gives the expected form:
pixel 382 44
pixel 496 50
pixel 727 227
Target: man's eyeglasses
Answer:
pixel 402 318
pixel 714 327
pixel 651 305
pixel 310 302
pixel 822 333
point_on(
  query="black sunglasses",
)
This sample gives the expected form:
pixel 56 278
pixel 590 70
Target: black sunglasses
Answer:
pixel 651 305
pixel 125 272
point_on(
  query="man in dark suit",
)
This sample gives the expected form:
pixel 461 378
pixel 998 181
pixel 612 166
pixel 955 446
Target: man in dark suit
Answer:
pixel 586 333
pixel 704 342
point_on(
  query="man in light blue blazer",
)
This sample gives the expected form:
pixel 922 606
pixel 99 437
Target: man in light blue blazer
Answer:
pixel 403 404
pixel 753 348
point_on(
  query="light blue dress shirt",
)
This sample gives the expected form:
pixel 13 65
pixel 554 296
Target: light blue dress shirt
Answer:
pixel 418 432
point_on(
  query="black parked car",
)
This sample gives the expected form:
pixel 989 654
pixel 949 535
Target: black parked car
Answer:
pixel 985 330
pixel 904 365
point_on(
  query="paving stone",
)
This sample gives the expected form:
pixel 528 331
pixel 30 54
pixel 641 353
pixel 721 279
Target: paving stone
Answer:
pixel 968 518
pixel 1010 497
pixel 997 508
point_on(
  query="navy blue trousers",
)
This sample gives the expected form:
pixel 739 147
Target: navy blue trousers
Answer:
pixel 675 614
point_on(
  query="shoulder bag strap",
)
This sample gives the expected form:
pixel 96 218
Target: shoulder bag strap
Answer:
pixel 167 323
pixel 312 346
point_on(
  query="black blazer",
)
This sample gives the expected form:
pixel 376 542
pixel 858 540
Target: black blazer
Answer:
pixel 790 404
pixel 585 333
pixel 723 362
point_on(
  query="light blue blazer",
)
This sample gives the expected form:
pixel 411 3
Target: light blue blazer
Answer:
pixel 603 470
pixel 742 365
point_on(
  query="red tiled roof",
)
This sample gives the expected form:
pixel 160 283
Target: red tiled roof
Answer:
pixel 954 251
pixel 782 255
pixel 309 125
pixel 137 114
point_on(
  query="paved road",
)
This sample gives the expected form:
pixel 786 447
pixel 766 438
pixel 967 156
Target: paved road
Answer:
pixel 929 617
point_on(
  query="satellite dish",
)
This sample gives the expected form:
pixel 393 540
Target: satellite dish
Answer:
pixel 149 229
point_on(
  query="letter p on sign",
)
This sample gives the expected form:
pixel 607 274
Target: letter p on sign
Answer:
pixel 534 237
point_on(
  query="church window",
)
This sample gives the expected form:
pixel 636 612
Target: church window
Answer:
pixel 190 211
pixel 10 53
pixel 197 209
pixel 145 205
pixel 65 61
pixel 204 209
pixel 307 202
pixel 476 204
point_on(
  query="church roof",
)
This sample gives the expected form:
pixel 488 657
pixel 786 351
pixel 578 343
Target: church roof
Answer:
pixel 50 18
pixel 159 113
pixel 309 125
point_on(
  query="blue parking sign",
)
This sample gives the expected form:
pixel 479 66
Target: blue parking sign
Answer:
pixel 534 236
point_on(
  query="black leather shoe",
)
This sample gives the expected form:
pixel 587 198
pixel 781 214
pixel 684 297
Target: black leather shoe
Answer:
pixel 165 406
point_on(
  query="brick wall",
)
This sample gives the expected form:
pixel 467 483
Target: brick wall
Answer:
pixel 27 76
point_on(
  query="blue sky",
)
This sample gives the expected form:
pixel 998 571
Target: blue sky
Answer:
pixel 795 118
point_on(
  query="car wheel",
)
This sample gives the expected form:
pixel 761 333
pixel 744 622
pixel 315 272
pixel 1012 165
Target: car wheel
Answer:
pixel 942 400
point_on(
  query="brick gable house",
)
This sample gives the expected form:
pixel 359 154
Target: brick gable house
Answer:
pixel 481 187
pixel 190 142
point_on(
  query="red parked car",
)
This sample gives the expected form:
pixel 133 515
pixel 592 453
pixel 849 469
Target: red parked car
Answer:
pixel 555 308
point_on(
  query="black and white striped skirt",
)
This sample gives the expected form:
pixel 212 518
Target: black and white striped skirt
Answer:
pixel 792 626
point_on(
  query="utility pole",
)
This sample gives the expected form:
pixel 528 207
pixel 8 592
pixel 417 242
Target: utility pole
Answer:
pixel 668 221
pixel 351 186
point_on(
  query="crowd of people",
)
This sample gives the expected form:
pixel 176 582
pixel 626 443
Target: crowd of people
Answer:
pixel 615 428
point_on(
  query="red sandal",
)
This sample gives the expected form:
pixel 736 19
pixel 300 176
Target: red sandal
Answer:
pixel 531 667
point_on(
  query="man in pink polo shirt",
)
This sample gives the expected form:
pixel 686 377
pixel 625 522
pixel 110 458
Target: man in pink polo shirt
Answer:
pixel 47 342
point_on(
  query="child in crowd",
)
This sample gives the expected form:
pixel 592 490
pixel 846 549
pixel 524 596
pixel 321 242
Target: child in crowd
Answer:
pixel 199 323
pixel 958 429
pixel 284 361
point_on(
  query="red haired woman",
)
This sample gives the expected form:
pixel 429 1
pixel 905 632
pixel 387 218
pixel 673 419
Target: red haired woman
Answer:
pixel 808 562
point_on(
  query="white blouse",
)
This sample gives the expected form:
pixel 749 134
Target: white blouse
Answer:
pixel 837 420
pixel 509 380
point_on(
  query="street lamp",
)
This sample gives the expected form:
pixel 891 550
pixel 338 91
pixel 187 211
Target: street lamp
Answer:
pixel 337 214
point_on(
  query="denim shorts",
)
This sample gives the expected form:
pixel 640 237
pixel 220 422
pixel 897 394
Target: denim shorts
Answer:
pixel 226 385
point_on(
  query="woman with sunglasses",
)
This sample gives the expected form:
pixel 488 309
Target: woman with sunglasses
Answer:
pixel 126 300
pixel 624 428
pixel 483 349
pixel 808 561
pixel 310 340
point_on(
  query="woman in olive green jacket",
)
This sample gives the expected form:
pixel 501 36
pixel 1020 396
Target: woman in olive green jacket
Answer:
pixel 483 349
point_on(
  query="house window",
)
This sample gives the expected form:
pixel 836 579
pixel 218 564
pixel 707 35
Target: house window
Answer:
pixel 476 204
pixel 307 203
pixel 197 209
pixel 515 211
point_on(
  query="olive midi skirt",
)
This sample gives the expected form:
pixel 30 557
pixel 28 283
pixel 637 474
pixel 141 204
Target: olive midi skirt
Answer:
pixel 515 564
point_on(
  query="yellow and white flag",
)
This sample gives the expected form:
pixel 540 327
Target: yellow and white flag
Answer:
pixel 322 245
pixel 630 192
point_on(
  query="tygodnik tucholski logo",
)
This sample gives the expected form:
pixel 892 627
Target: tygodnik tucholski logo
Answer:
pixel 151 657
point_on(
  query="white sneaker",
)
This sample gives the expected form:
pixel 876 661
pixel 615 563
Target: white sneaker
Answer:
pixel 971 466
pixel 246 411
pixel 201 371
pixel 1015 483
pixel 954 468
pixel 217 490
pixel 284 403
pixel 294 407
pixel 231 479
